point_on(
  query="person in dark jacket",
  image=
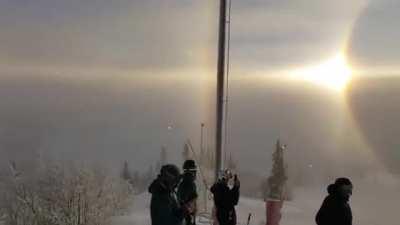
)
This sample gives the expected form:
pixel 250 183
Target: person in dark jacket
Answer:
pixel 164 206
pixel 187 190
pixel 335 209
pixel 225 199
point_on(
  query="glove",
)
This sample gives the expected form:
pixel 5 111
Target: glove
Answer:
pixel 189 208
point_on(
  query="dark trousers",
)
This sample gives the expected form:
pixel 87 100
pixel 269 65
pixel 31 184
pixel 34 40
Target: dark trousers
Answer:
pixel 190 220
pixel 226 217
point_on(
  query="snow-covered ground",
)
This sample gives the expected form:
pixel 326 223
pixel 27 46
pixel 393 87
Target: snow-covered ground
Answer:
pixel 293 212
pixel 371 204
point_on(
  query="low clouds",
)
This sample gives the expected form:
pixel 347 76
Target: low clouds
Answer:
pixel 122 34
pixel 170 34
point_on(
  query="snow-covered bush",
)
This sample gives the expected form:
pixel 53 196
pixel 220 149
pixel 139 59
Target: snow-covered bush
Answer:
pixel 61 195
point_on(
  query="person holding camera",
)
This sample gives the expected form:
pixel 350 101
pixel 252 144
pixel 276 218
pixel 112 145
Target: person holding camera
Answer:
pixel 226 198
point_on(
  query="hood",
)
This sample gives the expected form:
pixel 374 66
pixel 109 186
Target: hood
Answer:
pixel 332 189
pixel 157 187
pixel 218 186
pixel 335 193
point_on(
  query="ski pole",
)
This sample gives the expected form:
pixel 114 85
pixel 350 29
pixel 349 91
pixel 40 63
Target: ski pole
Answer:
pixel 248 219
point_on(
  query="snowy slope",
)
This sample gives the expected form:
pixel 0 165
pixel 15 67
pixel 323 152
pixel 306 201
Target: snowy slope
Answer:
pixel 371 206
pixel 140 212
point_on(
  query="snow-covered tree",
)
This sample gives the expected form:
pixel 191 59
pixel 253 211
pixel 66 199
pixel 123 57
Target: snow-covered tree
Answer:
pixel 163 158
pixel 276 181
pixel 61 194
pixel 126 173
pixel 186 152
pixel 163 155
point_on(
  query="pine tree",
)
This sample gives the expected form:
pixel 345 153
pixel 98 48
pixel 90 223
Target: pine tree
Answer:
pixel 163 155
pixel 186 152
pixel 278 178
pixel 158 166
pixel 150 173
pixel 136 178
pixel 126 174
pixel 163 158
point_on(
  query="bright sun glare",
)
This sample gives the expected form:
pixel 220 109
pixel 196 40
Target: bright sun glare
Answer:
pixel 334 73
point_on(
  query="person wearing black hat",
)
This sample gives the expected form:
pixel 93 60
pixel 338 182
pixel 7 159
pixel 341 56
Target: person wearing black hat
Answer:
pixel 187 190
pixel 226 198
pixel 335 209
pixel 165 209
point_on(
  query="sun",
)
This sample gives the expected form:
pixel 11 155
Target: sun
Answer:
pixel 334 73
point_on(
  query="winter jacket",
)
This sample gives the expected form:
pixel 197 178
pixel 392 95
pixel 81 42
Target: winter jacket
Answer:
pixel 187 194
pixel 225 200
pixel 164 206
pixel 187 190
pixel 335 209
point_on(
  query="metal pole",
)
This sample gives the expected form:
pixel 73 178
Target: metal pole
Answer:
pixel 220 87
pixel 202 139
pixel 203 154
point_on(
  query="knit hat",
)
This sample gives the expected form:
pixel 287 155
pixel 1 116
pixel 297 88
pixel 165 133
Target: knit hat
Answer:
pixel 189 165
pixel 342 181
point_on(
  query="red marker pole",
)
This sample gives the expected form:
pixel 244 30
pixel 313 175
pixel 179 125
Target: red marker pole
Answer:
pixel 273 211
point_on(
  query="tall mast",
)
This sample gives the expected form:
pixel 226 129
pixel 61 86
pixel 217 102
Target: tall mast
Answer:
pixel 220 86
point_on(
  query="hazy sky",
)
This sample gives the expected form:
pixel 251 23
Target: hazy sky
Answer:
pixel 133 35
pixel 89 64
